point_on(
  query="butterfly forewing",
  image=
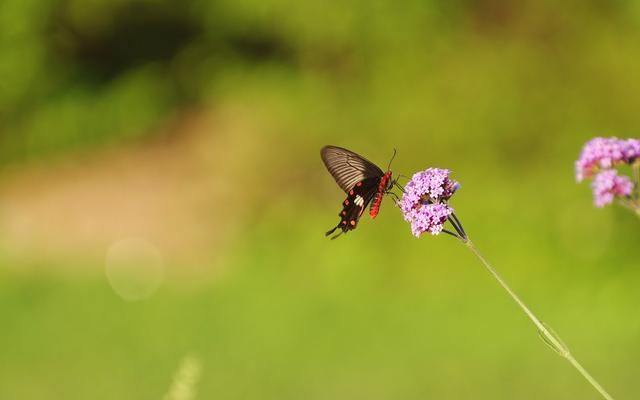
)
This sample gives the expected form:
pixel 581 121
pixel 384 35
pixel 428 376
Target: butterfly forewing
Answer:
pixel 347 167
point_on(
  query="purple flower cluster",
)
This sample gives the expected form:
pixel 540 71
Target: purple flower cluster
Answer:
pixel 424 200
pixel 599 156
pixel 608 184
pixel 604 153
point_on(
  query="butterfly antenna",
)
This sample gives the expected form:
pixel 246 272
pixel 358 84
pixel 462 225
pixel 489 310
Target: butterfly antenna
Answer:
pixel 392 157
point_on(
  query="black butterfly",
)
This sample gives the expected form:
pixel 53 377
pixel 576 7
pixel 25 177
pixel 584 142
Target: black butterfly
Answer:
pixel 361 179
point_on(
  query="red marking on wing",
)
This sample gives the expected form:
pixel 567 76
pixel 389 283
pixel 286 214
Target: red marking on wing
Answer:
pixel 375 206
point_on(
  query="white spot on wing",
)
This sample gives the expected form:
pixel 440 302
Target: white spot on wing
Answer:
pixel 359 201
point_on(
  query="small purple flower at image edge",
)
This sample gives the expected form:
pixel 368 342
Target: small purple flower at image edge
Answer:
pixel 601 159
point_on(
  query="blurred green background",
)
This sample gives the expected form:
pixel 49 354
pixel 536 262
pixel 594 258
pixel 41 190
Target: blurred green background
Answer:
pixel 163 202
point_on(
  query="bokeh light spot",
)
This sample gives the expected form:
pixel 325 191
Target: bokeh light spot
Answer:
pixel 134 268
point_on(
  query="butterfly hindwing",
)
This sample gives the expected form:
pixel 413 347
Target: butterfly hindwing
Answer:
pixel 355 204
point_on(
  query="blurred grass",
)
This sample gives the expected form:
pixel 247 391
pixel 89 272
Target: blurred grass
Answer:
pixel 502 94
pixel 414 326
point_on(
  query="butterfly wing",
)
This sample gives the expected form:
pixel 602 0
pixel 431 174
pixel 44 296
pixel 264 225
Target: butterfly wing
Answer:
pixel 354 205
pixel 347 167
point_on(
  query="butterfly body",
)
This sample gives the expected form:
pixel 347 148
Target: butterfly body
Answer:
pixel 363 182
pixel 384 185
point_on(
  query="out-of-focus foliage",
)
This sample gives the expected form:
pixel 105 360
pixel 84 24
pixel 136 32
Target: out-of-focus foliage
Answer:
pixel 77 73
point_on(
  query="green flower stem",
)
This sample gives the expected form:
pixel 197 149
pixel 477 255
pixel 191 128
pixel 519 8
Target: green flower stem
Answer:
pixel 630 205
pixel 546 333
pixel 635 199
pixel 635 167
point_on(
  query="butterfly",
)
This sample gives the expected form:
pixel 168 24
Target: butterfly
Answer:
pixel 362 180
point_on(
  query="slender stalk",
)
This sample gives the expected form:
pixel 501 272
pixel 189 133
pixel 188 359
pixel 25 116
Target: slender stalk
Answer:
pixel 547 334
pixel 635 198
pixel 635 167
pixel 630 205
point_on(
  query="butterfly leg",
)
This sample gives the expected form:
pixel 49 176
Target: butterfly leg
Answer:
pixel 395 196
